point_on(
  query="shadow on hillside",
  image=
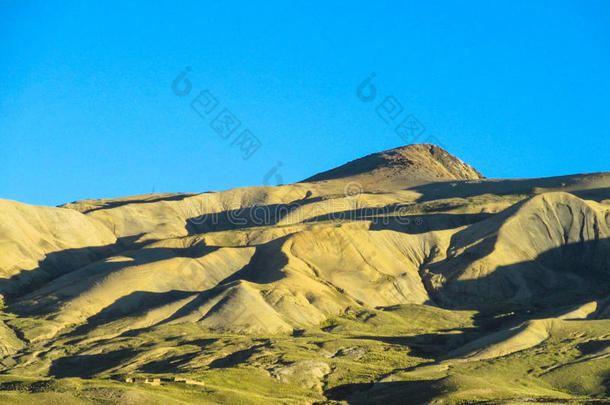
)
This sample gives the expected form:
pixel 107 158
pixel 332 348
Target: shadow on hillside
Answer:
pixel 168 365
pixel 173 364
pixel 365 164
pixel 593 346
pixel 56 264
pixel 86 366
pixel 395 392
pixel 246 217
pixel 471 188
pixel 573 273
pixel 597 194
pixel 263 268
pixel 42 298
pixel 381 218
pixel 115 204
pixel 237 357
pixel 413 224
pixel 136 303
pixel 431 346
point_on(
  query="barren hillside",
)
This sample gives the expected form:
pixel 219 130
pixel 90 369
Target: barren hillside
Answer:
pixel 405 273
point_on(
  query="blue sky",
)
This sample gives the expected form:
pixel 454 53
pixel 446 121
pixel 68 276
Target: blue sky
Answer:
pixel 514 88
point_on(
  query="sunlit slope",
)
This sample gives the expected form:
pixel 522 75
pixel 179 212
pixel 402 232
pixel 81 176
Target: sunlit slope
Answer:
pixel 368 282
pixel 551 246
pixel 296 280
pixel 401 167
pixel 58 239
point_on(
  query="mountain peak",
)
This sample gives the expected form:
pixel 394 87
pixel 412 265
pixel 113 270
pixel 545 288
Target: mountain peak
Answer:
pixel 411 164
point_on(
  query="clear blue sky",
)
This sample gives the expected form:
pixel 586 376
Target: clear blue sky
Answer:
pixel 515 88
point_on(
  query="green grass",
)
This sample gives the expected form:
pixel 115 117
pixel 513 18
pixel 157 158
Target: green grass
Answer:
pixel 402 348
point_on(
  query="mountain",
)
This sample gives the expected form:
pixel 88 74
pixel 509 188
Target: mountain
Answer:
pixel 405 166
pixel 403 274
